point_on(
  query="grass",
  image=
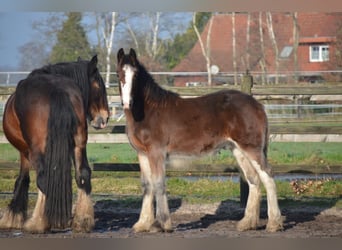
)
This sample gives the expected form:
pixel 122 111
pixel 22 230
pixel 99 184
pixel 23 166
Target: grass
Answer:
pixel 279 153
pixel 203 190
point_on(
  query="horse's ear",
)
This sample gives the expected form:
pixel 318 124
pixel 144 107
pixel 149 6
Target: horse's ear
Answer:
pixel 94 60
pixel 121 54
pixel 92 65
pixel 79 59
pixel 133 55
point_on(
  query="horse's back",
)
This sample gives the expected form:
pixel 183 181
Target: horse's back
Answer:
pixel 33 104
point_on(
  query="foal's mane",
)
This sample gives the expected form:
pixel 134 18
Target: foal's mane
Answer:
pixel 78 71
pixel 154 94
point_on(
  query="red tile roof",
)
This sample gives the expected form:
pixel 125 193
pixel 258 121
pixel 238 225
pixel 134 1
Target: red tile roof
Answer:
pixel 314 28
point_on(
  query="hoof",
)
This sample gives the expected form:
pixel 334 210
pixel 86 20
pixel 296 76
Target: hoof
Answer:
pixel 83 225
pixel 140 227
pixel 10 220
pixel 246 224
pixel 275 226
pixel 157 227
pixel 36 226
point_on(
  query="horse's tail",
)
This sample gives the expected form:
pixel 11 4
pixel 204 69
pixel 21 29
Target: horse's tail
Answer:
pixel 58 159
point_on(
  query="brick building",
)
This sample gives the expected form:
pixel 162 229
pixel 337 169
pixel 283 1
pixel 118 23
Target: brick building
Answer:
pixel 316 50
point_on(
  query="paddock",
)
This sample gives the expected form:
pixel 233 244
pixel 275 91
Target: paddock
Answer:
pixel 210 222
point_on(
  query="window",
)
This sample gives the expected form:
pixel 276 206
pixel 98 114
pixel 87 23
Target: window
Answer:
pixel 286 52
pixel 319 53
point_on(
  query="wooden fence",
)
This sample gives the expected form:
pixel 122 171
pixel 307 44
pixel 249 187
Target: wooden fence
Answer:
pixel 292 129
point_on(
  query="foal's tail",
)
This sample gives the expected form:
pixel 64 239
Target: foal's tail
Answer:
pixel 59 157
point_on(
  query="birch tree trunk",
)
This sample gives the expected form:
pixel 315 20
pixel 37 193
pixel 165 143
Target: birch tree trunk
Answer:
pixel 248 31
pixel 262 56
pixel 155 36
pixel 151 42
pixel 205 49
pixel 108 30
pixel 274 43
pixel 295 45
pixel 134 37
pixel 234 48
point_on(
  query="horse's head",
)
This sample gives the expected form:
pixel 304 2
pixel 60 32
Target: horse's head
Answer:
pixel 126 69
pixel 131 83
pixel 98 109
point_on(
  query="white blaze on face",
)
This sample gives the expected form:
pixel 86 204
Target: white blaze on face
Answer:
pixel 126 87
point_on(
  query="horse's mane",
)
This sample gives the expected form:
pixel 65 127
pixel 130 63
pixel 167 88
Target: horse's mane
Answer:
pixel 155 95
pixel 78 71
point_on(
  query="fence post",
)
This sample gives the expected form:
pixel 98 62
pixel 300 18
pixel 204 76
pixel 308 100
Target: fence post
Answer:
pixel 246 87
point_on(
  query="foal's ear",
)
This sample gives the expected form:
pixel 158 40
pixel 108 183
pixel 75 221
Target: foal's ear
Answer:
pixel 120 54
pixel 132 54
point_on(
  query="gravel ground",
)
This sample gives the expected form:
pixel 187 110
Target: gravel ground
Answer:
pixel 114 220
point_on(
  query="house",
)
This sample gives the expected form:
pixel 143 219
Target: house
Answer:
pixel 275 61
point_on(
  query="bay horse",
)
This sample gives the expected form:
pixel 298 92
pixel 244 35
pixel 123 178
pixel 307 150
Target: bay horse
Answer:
pixel 160 123
pixel 46 120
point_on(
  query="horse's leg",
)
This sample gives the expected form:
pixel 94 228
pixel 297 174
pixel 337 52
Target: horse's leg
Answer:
pixel 275 221
pixel 163 219
pixel 146 218
pixel 252 211
pixel 38 223
pixel 16 212
pixel 83 220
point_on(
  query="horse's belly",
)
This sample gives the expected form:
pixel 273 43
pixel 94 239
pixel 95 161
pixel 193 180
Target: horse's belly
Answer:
pixel 197 146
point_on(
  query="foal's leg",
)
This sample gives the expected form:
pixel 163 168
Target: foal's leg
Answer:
pixel 146 218
pixel 16 213
pixel 275 221
pixel 83 220
pixel 163 219
pixel 252 211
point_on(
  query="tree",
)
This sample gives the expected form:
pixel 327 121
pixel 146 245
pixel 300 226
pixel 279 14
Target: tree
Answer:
pixel 106 24
pixel 262 60
pixel 36 52
pixel 180 46
pixel 234 48
pixel 269 23
pixel 72 41
pixel 295 45
pixel 33 55
pixel 204 47
pixel 339 44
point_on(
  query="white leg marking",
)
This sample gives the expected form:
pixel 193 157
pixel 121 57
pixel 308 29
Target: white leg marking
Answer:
pixel 275 221
pixel 38 222
pixel 252 211
pixel 83 220
pixel 11 220
pixel 162 211
pixel 146 218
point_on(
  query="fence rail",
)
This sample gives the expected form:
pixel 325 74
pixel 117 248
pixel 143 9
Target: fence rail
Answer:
pixel 11 78
pixel 287 123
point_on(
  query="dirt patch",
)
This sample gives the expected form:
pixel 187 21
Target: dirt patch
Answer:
pixel 114 219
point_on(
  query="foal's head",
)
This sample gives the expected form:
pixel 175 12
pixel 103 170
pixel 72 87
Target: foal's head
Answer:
pixel 132 80
pixel 126 69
